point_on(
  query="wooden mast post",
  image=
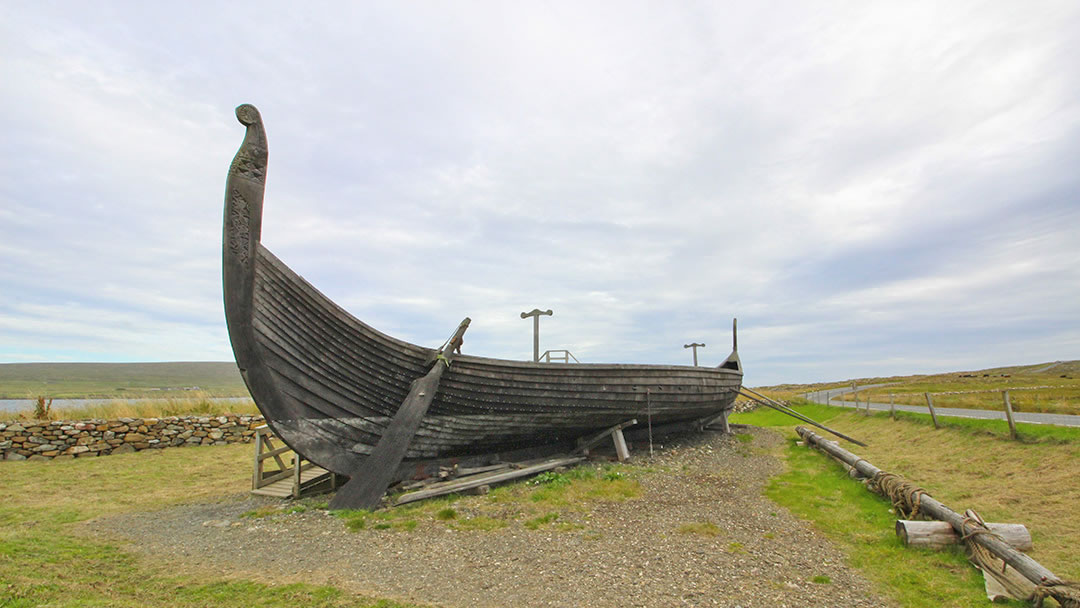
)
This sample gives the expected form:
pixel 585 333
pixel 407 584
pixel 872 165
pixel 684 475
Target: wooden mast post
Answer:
pixel 694 345
pixel 535 314
pixel 366 488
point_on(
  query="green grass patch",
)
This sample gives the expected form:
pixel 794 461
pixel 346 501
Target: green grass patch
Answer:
pixel 446 514
pixel 821 579
pixel 44 561
pixel 744 437
pixel 700 528
pixel 536 522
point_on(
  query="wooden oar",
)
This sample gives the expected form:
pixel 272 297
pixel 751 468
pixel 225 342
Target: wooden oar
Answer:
pixel 367 486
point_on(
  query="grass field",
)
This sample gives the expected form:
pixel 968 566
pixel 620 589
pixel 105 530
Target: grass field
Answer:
pixel 45 561
pixel 971 464
pixel 127 380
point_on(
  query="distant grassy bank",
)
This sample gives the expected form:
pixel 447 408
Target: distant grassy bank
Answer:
pixel 121 380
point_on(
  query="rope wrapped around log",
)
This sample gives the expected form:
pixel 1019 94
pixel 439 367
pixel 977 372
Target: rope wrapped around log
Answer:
pixel 906 497
pixel 1065 593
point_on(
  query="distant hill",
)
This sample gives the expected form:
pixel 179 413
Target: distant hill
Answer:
pixel 1051 387
pixel 73 380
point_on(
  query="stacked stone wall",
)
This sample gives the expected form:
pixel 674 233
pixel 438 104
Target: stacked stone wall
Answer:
pixel 45 440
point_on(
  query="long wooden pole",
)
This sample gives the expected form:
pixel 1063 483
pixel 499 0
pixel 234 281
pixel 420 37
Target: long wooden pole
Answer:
pixel 780 407
pixel 1029 568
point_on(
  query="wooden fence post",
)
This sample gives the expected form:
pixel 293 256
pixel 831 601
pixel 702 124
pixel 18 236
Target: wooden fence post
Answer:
pixel 930 404
pixel 1009 415
pixel 892 407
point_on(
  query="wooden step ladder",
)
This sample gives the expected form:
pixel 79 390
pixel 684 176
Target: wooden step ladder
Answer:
pixel 301 478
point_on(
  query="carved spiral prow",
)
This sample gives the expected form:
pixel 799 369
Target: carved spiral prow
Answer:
pixel 244 189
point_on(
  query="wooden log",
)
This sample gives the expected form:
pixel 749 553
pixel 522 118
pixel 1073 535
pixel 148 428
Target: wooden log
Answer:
pixel 930 404
pixel 939 534
pixel 1009 415
pixel 1031 570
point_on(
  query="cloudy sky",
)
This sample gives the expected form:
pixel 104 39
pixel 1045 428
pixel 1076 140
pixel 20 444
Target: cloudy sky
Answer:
pixel 871 188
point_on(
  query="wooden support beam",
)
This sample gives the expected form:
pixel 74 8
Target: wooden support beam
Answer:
pixel 585 444
pixel 460 485
pixel 939 534
pixel 365 489
pixel 621 451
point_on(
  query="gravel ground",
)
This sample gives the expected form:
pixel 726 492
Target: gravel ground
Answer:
pixel 629 554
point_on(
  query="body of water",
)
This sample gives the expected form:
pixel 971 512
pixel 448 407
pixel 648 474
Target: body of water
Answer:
pixel 14 405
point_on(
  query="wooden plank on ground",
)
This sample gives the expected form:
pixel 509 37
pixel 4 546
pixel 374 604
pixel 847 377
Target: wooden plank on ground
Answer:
pixel 476 481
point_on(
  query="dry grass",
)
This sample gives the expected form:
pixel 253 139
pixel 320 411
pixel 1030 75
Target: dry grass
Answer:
pixel 195 404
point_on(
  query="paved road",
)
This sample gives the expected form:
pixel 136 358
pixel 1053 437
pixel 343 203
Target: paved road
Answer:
pixel 1027 417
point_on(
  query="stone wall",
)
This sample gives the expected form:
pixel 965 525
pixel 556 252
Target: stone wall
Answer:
pixel 44 440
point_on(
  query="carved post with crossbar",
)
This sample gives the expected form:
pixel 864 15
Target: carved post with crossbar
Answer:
pixel 535 314
pixel 694 345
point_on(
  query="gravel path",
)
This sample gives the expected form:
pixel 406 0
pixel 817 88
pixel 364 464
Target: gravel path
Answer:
pixel 630 554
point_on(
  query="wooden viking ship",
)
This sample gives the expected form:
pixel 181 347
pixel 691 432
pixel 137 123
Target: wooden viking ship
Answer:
pixel 360 403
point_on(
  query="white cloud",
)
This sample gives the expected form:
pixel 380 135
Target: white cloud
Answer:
pixel 817 170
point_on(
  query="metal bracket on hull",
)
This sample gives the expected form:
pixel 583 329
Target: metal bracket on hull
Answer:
pixel 366 488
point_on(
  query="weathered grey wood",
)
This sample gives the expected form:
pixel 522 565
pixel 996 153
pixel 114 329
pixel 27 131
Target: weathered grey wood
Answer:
pixel 621 451
pixel 585 445
pixel 466 471
pixel 892 407
pixel 365 488
pixel 1032 570
pixel 460 485
pixel 695 346
pixel 535 314
pixel 939 534
pixel 1009 415
pixel 930 405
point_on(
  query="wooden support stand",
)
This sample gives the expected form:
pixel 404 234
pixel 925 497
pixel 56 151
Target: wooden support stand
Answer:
pixel 621 451
pixel 299 478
